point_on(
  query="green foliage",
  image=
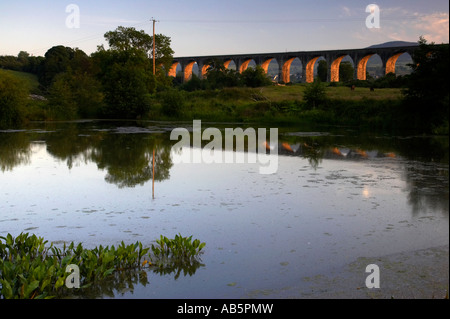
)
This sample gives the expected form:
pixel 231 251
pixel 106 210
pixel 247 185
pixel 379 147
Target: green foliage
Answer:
pixel 427 95
pixel 173 102
pixel 127 80
pixel 315 94
pixel 22 62
pixel 219 77
pixel 322 70
pixel 57 60
pixel 62 103
pixel 123 39
pixel 193 84
pixel 346 72
pixel 255 77
pixel 75 95
pixel 30 269
pixel 169 254
pixel 13 95
pixel 128 38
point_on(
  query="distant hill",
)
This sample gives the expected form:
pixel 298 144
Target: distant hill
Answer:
pixel 393 44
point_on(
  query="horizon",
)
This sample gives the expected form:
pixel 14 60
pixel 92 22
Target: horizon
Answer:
pixel 205 29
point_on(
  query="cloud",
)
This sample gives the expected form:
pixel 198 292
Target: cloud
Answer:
pixel 434 27
pixel 399 24
pixel 346 11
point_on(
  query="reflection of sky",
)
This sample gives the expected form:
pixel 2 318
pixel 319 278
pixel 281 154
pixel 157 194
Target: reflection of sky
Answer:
pixel 260 230
pixel 372 192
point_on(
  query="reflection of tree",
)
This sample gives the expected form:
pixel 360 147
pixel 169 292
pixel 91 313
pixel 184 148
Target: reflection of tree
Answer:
pixel 14 150
pixel 121 282
pixel 128 159
pixel 426 173
pixel 425 167
pixel 70 144
pixel 428 187
pixel 313 152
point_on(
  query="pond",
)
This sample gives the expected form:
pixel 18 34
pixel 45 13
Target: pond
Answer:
pixel 339 200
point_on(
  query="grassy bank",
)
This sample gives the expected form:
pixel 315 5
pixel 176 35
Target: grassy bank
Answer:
pixel 275 105
pixel 287 105
pixel 29 80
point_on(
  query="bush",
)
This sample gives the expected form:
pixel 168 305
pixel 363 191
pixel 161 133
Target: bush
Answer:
pixel 315 95
pixel 255 77
pixel 13 97
pixel 75 95
pixel 173 102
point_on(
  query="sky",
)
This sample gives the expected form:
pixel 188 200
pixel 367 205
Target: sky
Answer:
pixel 209 27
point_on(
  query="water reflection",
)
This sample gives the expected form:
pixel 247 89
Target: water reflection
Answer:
pixel 125 152
pixel 15 150
pixel 124 282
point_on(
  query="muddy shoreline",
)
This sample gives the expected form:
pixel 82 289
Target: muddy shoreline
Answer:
pixel 418 274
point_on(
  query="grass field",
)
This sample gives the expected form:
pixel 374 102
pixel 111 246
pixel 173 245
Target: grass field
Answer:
pixel 295 92
pixel 30 80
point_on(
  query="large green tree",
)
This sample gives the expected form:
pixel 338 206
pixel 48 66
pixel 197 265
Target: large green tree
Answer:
pixel 127 80
pixel 60 59
pixel 126 71
pixel 128 38
pixel 427 94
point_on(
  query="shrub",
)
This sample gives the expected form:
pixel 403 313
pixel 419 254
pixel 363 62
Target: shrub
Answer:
pixel 75 95
pixel 13 95
pixel 173 102
pixel 315 95
pixel 255 77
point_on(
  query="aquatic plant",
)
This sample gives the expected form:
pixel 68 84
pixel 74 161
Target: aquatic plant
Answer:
pixel 31 269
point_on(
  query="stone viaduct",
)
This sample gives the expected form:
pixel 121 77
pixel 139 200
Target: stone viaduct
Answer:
pixel 360 57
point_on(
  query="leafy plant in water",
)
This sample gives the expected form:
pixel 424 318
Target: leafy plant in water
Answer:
pixel 180 248
pixel 30 269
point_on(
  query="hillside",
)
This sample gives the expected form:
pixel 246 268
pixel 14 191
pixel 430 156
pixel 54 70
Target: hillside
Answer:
pixel 393 44
pixel 30 80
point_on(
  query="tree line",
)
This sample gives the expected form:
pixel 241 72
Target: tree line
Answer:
pixel 116 82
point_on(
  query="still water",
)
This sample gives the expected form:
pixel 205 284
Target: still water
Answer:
pixel 339 199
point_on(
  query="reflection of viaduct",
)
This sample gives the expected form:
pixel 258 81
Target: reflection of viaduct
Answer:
pixel 360 58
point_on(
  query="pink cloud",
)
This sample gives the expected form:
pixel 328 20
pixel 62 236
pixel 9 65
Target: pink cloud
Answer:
pixel 434 27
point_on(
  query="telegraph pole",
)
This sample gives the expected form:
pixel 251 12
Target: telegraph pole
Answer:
pixel 154 46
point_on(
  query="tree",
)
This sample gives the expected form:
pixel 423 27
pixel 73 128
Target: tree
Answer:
pixel 57 60
pixel 128 38
pixel 60 59
pixel 13 96
pixel 346 72
pixel 127 80
pixel 322 70
pixel 315 94
pixel 123 39
pixel 74 95
pixel 427 95
pixel 255 77
pixel 219 77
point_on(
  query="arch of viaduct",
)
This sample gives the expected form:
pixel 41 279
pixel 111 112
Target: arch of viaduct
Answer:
pixel 360 58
